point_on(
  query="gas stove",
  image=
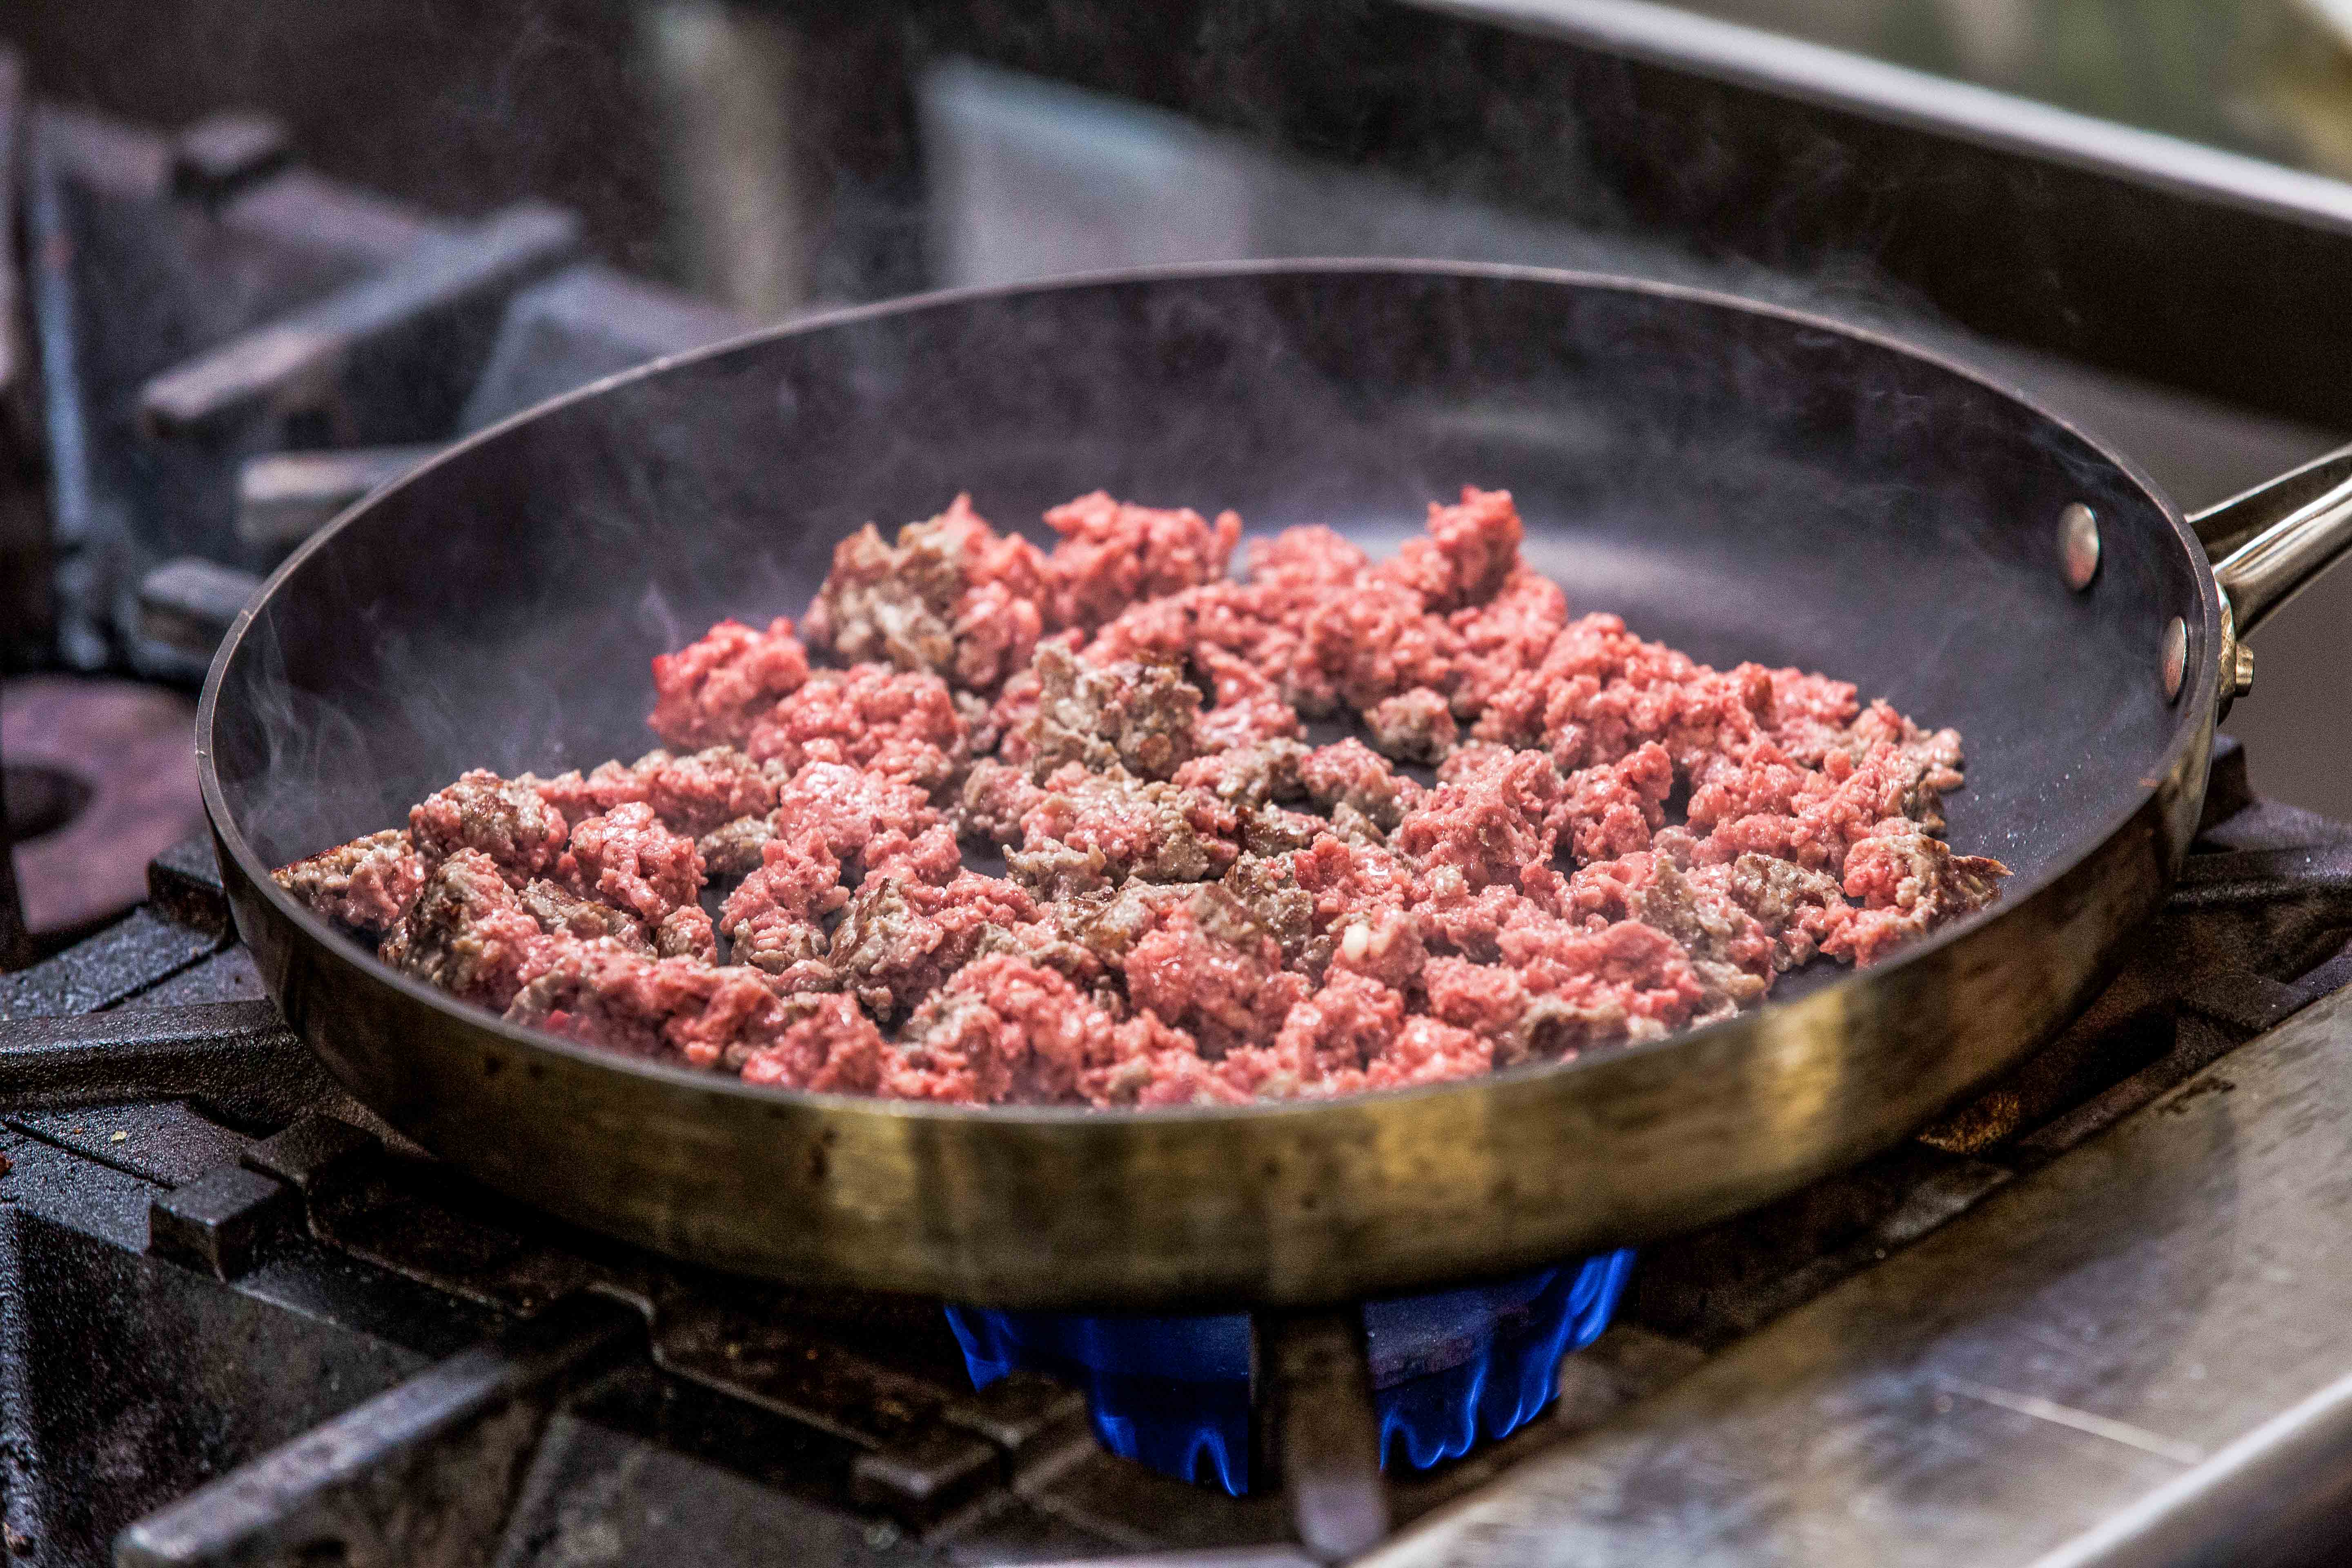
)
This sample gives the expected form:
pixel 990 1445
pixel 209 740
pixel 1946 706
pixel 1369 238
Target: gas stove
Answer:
pixel 247 1322
pixel 2089 1317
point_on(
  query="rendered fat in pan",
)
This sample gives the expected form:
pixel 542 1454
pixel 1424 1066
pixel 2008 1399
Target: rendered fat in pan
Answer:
pixel 1740 481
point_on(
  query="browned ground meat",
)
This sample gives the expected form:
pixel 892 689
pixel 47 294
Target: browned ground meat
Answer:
pixel 503 819
pixel 1250 776
pixel 368 883
pixel 1348 773
pixel 1415 726
pixel 732 850
pixel 953 598
pixel 908 927
pixel 1198 906
pixel 688 932
pixel 469 933
pixel 1138 715
pixel 1087 830
pixel 560 912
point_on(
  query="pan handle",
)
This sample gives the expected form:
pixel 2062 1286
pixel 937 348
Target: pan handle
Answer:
pixel 2270 543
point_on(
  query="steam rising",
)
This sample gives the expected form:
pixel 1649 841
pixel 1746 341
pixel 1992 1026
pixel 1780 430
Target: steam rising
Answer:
pixel 1737 485
pixel 501 610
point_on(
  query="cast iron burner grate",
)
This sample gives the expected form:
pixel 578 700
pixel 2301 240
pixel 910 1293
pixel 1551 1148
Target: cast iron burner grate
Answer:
pixel 244 1324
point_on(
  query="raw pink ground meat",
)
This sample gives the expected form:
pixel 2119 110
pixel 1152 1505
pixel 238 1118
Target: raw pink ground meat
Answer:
pixel 1223 980
pixel 1611 810
pixel 1001 1029
pixel 1429 1051
pixel 774 915
pixel 1306 561
pixel 1155 1064
pixel 711 693
pixel 1376 639
pixel 1113 552
pixel 1810 713
pixel 1489 1000
pixel 1198 906
pixel 609 996
pixel 1248 707
pixel 1903 880
pixel 608 785
pixel 1599 691
pixel 1487 818
pixel 628 860
pixel 899 723
pixel 861 816
pixel 1469 550
pixel 1502 639
pixel 1351 882
pixel 706 790
pixel 1326 1043
pixel 828 1045
pixel 1625 981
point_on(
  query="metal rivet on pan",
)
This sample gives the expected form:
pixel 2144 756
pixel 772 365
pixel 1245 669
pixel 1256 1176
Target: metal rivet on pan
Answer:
pixel 2078 544
pixel 2176 656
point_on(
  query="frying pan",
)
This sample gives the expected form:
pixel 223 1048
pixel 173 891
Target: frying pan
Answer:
pixel 1742 481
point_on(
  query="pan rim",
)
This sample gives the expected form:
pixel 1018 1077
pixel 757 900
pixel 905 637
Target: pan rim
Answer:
pixel 2195 702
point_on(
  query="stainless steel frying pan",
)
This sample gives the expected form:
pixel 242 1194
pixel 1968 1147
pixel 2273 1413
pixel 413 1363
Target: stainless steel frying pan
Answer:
pixel 1739 481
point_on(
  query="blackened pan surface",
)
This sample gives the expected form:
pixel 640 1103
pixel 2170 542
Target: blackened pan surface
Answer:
pixel 1741 482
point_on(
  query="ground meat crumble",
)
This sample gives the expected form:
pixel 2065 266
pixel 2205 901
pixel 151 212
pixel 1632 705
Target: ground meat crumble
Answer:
pixel 1197 905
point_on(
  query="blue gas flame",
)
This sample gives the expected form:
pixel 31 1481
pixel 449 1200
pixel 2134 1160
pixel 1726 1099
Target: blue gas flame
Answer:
pixel 1174 1392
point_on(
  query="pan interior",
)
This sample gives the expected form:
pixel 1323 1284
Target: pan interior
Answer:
pixel 1739 483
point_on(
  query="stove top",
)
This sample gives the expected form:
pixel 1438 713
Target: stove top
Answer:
pixel 245 1322
pixel 2090 1316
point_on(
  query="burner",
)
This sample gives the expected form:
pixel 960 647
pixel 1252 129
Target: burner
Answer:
pixel 102 774
pixel 41 798
pixel 1174 1392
